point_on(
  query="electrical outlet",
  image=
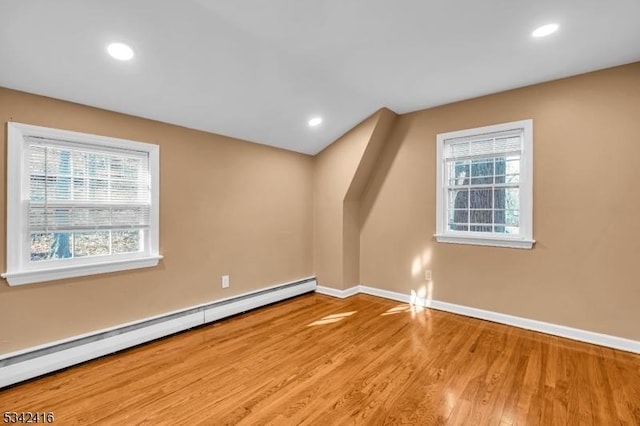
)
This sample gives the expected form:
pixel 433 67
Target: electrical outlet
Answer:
pixel 225 281
pixel 427 275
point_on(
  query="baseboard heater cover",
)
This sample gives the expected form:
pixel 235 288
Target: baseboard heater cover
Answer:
pixel 20 366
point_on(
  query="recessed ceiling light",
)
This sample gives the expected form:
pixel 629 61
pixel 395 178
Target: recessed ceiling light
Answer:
pixel 545 30
pixel 315 121
pixel 120 51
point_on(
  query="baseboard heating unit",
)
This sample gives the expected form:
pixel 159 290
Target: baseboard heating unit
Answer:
pixel 26 364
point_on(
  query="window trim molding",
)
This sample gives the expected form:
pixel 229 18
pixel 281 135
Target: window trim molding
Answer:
pixel 58 273
pixel 486 241
pixel 18 269
pixel 525 239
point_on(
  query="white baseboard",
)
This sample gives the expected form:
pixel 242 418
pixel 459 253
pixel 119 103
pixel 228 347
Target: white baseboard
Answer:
pixel 540 326
pixel 529 324
pixel 341 294
pixel 399 297
pixel 28 366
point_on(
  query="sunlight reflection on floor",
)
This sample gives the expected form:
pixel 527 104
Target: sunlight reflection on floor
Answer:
pixel 332 318
pixel 413 309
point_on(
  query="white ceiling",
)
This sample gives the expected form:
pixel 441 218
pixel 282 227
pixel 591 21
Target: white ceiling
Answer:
pixel 258 70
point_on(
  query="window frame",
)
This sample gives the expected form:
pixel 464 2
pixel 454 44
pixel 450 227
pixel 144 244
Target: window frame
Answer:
pixel 523 240
pixel 20 269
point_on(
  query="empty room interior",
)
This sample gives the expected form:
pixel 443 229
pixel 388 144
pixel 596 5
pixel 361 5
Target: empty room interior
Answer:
pixel 285 212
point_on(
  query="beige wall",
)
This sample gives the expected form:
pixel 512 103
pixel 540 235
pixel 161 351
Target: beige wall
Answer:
pixel 226 207
pixel 341 173
pixel 582 271
pixel 363 211
pixel 334 169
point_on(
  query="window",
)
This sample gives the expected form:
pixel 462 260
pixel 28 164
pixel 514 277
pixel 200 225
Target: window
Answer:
pixel 484 189
pixel 78 204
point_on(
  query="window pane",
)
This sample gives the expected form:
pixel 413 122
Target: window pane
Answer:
pixel 36 187
pixel 512 217
pixel 124 217
pixel 458 219
pixel 36 160
pixel 117 168
pixel 481 199
pixel 42 218
pixel 476 228
pixel 482 167
pixel 59 188
pixel 58 162
pixel 91 243
pixel 512 230
pixel 80 188
pixel 79 165
pixel 125 168
pixel 512 198
pixel 98 190
pixel 499 198
pixel 125 241
pixel 123 191
pixel 459 199
pixel 512 172
pixel 481 216
pixel 458 173
pixel 46 246
pixel 451 197
pixel 97 166
pixel 482 172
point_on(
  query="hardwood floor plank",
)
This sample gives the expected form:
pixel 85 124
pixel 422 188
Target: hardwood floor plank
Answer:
pixel 316 360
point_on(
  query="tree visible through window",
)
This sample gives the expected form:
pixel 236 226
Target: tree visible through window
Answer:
pixel 484 195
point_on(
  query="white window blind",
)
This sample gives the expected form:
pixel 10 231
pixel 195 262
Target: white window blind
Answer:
pixel 73 187
pixel 484 146
pixel 79 204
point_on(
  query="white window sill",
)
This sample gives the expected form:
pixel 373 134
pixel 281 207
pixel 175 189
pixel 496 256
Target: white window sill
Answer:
pixel 519 243
pixel 50 274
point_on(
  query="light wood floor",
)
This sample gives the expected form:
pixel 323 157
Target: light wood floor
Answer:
pixel 363 360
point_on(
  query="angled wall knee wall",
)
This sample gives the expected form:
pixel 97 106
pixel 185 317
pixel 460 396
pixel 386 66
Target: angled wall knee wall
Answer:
pixel 341 174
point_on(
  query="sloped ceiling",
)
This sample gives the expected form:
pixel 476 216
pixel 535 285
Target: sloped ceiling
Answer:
pixel 258 70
